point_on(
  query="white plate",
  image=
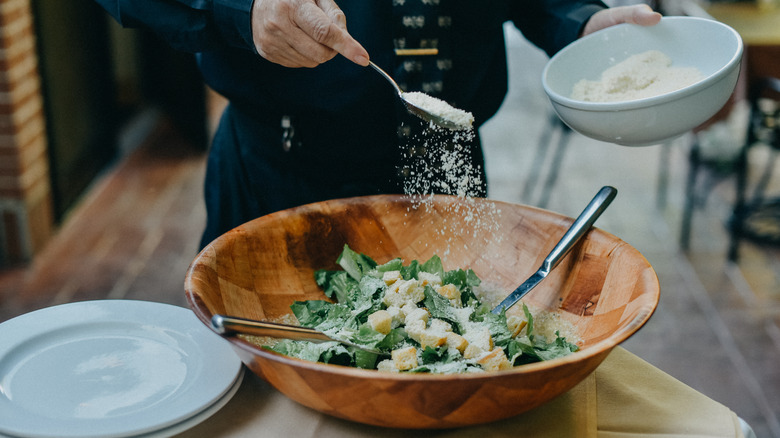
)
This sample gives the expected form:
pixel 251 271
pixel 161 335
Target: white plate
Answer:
pixel 111 368
pixel 191 422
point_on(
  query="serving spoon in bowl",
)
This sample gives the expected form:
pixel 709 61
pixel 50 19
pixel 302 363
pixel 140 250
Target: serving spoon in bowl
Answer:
pixel 230 325
pixel 420 105
pixel 581 225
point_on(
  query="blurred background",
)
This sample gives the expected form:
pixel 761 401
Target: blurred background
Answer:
pixel 104 133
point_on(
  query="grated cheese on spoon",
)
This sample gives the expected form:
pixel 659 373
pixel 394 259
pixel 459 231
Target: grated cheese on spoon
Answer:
pixel 439 108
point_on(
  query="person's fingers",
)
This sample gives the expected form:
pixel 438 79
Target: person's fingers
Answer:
pixel 281 50
pixel 271 26
pixel 298 33
pixel 325 23
pixel 289 56
pixel 332 10
pixel 642 15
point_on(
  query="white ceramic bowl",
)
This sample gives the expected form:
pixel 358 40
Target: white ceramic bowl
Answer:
pixel 712 47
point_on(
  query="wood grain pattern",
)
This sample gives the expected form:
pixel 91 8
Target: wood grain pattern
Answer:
pixel 604 287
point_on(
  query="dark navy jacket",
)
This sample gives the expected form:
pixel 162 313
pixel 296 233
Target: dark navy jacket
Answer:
pixel 344 115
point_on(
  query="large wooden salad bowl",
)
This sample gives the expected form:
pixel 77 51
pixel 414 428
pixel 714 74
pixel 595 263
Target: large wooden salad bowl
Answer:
pixel 604 287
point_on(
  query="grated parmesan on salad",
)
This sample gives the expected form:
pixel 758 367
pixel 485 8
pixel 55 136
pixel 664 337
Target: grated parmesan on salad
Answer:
pixel 421 318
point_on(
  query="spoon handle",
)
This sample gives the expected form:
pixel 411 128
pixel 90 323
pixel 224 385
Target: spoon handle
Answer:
pixel 581 225
pixel 231 324
pixel 386 76
pixel 228 325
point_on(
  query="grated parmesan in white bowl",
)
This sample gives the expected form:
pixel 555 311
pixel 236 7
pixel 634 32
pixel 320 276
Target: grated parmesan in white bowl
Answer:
pixel 643 75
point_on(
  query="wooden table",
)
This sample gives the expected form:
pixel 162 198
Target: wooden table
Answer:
pixel 759 27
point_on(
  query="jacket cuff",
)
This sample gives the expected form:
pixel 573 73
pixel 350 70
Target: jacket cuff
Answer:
pixel 233 19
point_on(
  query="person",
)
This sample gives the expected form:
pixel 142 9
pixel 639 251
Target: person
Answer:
pixel 307 120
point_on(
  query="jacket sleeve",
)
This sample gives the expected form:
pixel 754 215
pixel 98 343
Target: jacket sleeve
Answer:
pixel 188 25
pixel 553 24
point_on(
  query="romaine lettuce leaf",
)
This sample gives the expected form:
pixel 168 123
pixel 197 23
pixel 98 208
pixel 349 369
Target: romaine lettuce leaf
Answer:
pixel 311 313
pixel 410 271
pixel 322 315
pixel 433 266
pixel 441 360
pixel 367 297
pixel 309 350
pixel 393 340
pixel 533 348
pixel 335 284
pixel 355 264
pixel 365 359
pixel 440 307
pixel 466 281
pixel 393 265
pixel 496 324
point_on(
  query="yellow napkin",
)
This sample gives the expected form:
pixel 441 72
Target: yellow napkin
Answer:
pixel 624 397
pixel 638 400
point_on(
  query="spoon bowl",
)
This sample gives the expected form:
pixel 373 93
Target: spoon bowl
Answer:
pixel 423 105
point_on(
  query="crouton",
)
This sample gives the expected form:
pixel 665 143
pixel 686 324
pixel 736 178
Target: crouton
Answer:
pixel 473 351
pixel 427 279
pixel 411 290
pixel 404 358
pixel 440 325
pixel 416 314
pixel 449 291
pixel 407 309
pixel 481 338
pixel 381 321
pixel 432 338
pixel 494 361
pixel 393 298
pixel 516 324
pixel 391 277
pixel 457 342
pixel 415 329
pixel 397 315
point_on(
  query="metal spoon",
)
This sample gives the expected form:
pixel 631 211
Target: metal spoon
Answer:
pixel 229 325
pixel 581 225
pixel 417 110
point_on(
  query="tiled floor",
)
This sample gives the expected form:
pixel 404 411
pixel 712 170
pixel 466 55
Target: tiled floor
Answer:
pixel 716 328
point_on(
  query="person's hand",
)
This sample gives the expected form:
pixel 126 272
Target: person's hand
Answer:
pixel 303 33
pixel 642 15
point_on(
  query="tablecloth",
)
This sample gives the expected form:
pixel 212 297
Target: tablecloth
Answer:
pixel 625 397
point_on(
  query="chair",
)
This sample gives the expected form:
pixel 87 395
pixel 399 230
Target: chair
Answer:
pixel 553 124
pixel 757 217
pixel 705 172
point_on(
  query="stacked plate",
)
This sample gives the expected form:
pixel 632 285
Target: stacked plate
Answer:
pixel 112 368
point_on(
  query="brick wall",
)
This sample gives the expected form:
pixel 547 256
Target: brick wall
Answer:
pixel 26 219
